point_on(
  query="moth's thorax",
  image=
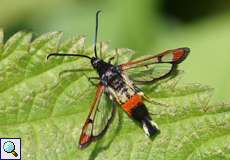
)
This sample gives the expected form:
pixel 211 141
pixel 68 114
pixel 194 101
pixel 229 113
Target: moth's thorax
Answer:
pixel 109 75
pixel 118 84
pixel 100 66
pixel 121 88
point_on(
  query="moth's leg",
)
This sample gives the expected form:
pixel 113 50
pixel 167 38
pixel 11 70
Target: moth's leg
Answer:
pixel 93 80
pixel 114 56
pixel 117 56
pixel 150 100
pixel 101 53
pixel 90 79
pixel 113 95
pixel 103 48
pixel 69 71
pixel 110 59
pixel 64 72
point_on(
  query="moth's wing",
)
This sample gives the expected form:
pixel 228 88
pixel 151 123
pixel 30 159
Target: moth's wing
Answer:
pixel 100 116
pixel 119 56
pixel 150 69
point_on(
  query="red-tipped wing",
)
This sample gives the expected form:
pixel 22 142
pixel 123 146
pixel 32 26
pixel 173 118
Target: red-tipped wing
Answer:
pixel 100 116
pixel 153 68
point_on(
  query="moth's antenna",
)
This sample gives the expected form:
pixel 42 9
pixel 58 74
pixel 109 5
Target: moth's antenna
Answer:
pixel 95 38
pixel 73 55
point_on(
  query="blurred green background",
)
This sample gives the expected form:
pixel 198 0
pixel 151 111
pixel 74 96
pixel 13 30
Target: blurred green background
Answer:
pixel 146 26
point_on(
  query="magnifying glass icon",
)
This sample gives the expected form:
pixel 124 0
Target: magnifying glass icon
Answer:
pixel 9 147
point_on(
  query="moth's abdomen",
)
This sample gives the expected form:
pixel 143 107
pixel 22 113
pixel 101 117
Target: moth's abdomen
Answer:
pixel 137 110
pixel 133 102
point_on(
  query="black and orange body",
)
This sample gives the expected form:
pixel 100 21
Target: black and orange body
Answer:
pixel 124 91
pixel 137 110
pixel 120 83
pixel 132 103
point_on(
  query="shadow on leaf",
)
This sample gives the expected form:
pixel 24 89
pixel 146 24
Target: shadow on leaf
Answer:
pixel 99 147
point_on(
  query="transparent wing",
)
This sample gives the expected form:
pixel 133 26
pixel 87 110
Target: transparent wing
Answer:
pixel 100 116
pixel 153 68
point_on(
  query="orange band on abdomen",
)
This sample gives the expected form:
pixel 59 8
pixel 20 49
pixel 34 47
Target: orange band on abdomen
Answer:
pixel 132 103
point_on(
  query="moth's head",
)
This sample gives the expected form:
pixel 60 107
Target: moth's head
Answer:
pixel 96 62
pixel 99 65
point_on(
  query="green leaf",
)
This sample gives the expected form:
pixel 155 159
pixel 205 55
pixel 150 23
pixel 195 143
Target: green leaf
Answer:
pixel 46 107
